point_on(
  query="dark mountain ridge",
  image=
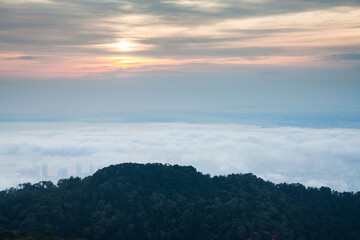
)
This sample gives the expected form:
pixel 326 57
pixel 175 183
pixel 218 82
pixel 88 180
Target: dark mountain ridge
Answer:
pixel 156 201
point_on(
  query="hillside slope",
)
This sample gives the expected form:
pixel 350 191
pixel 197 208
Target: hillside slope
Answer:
pixel 155 201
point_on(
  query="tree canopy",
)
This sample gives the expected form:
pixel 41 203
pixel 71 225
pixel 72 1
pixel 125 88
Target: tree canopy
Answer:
pixel 156 201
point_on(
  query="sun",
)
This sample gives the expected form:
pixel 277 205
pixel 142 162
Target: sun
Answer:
pixel 124 45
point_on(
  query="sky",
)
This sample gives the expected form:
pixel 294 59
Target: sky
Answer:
pixel 117 39
pixel 261 68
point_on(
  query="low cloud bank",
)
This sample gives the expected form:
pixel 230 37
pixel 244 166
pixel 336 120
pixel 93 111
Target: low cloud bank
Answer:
pixel 313 157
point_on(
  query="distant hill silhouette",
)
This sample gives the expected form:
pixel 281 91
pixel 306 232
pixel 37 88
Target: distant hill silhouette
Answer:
pixel 156 201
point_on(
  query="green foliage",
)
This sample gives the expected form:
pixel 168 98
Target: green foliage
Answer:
pixel 155 201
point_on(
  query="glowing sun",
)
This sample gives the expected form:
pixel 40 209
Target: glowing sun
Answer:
pixel 124 45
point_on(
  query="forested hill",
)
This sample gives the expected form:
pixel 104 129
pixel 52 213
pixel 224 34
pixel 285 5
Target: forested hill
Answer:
pixel 155 201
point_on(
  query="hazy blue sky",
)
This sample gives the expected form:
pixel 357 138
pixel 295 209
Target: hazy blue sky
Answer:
pixel 289 69
pixel 296 97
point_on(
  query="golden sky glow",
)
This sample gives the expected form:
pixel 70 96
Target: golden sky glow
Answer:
pixel 79 43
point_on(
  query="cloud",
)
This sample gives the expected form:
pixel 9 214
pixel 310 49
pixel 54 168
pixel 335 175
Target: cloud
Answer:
pixel 345 56
pixel 72 34
pixel 313 157
pixel 200 5
pixel 29 58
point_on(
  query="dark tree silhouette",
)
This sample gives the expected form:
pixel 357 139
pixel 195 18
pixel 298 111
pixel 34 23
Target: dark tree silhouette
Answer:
pixel 156 201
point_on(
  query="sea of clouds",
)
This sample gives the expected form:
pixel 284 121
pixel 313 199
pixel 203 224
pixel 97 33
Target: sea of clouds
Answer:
pixel 30 152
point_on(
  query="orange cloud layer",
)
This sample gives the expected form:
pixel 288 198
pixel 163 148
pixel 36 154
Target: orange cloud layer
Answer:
pixel 145 41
